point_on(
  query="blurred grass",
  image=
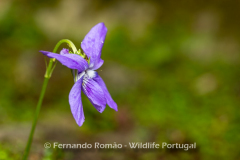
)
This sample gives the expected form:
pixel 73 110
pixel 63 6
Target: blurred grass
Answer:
pixel 176 80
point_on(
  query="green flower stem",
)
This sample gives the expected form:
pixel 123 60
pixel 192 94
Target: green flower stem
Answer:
pixel 47 76
pixel 45 82
pixel 50 66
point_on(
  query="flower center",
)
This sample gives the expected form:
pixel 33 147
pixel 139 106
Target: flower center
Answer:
pixel 90 73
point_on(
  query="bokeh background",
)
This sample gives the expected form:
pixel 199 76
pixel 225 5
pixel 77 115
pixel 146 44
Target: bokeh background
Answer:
pixel 172 67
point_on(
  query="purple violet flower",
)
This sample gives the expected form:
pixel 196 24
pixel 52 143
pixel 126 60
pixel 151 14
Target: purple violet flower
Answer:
pixel 85 77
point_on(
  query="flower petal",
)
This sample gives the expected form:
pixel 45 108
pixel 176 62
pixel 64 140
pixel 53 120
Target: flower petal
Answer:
pixel 92 45
pixel 76 102
pixel 108 97
pixel 97 65
pixel 94 93
pixel 72 61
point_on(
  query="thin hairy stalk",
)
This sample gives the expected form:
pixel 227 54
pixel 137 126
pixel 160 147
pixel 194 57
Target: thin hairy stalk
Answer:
pixel 47 76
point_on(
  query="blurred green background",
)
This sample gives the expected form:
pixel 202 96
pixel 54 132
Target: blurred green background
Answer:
pixel 172 67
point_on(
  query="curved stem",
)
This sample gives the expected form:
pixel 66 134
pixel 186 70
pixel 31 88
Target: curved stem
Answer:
pixel 50 66
pixel 70 43
pixel 47 76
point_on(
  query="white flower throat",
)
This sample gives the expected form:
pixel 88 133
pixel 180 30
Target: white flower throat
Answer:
pixel 87 73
